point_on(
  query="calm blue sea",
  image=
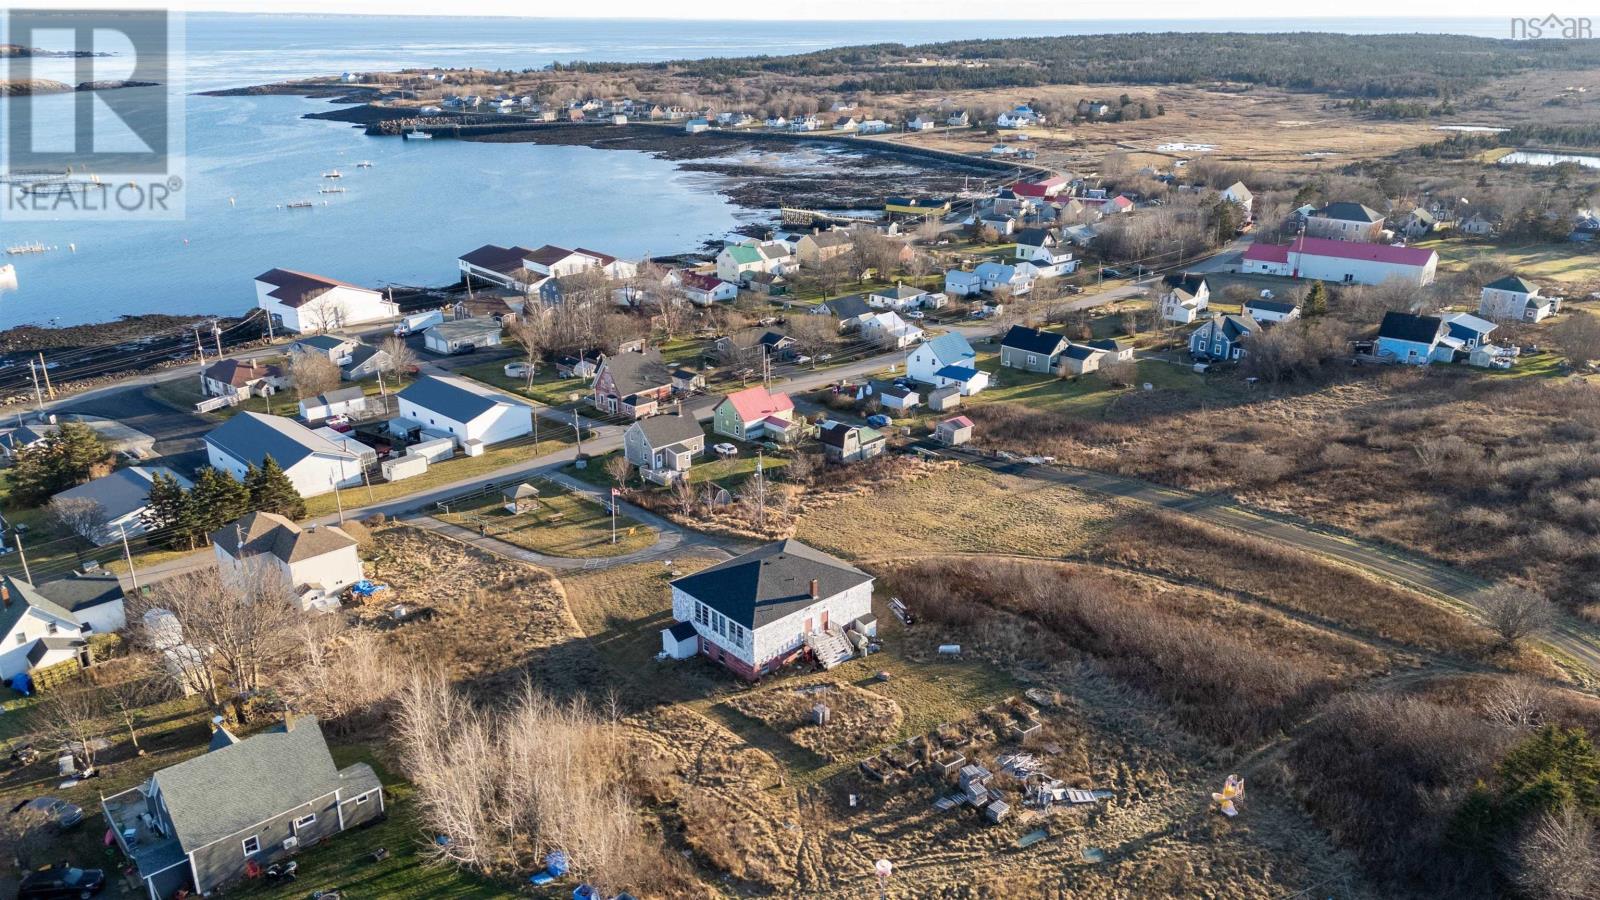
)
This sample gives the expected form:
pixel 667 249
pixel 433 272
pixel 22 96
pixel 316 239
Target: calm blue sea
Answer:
pixel 404 220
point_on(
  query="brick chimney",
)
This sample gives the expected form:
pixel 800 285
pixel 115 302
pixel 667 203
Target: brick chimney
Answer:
pixel 816 593
pixel 5 595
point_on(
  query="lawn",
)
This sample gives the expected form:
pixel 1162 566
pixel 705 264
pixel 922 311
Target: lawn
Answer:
pixel 1085 395
pixel 729 473
pixel 447 472
pixel 344 862
pixel 183 393
pixel 1569 263
pixel 565 524
pixel 547 388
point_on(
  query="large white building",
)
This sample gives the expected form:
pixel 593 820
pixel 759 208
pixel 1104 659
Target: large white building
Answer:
pixel 300 302
pixel 314 464
pixel 474 415
pixel 753 613
pixel 1342 262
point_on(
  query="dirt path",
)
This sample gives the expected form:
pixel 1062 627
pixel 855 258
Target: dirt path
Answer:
pixel 1571 643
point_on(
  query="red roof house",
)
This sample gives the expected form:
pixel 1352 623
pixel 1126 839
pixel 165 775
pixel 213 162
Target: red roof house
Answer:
pixel 755 414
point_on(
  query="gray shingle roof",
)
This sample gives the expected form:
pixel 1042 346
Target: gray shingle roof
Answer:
pixel 230 789
pixel 1513 283
pixel 342 395
pixel 80 591
pixel 1350 212
pixel 661 431
pixel 901 291
pixel 848 307
pixel 251 436
pixel 1032 340
pixel 20 596
pixel 635 372
pixel 451 397
pixel 121 492
pixel 264 532
pixel 771 582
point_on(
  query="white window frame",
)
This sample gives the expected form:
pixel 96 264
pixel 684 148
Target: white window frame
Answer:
pixel 305 821
pixel 363 798
pixel 252 839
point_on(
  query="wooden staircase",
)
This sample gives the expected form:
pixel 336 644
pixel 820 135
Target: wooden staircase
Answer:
pixel 829 646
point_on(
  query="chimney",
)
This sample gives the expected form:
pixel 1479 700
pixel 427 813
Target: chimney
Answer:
pixel 5 595
pixel 816 594
pixel 288 719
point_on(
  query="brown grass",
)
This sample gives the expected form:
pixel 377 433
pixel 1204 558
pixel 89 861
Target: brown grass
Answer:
pixel 858 719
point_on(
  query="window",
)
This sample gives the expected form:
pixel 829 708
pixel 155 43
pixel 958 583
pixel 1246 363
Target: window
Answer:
pixel 363 798
pixel 305 821
pixel 51 628
pixel 252 845
pixel 1032 360
pixel 21 639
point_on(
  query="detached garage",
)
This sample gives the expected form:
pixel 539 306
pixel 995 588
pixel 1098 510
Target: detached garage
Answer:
pixel 680 641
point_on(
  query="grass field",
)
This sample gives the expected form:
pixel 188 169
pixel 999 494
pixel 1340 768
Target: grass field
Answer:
pixel 547 387
pixel 1575 265
pixel 729 473
pixel 564 525
pixel 447 472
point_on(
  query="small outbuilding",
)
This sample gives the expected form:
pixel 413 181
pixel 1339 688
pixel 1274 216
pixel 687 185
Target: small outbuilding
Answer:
pixel 953 431
pixel 520 498
pixel 680 641
pixel 945 398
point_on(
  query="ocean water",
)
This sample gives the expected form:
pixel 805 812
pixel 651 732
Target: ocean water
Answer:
pixel 405 219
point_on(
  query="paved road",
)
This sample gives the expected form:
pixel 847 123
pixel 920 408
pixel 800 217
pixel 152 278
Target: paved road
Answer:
pixel 1571 640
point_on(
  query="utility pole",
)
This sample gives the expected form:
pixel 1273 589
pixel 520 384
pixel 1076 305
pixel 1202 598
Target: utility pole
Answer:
pixel 761 492
pixel 200 349
pixel 45 370
pixel 38 398
pixel 613 515
pixel 577 431
pixel 132 573
pixel 22 555
pixel 216 332
pixel 368 482
pixel 270 338
pixel 338 500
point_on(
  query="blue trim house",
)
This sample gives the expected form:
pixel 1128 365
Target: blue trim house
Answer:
pixel 1415 340
pixel 947 359
pixel 1472 331
pixel 1222 338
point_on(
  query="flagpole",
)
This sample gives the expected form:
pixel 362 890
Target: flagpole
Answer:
pixel 613 515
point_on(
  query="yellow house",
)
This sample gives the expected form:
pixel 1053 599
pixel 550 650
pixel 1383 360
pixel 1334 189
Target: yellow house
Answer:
pixel 916 206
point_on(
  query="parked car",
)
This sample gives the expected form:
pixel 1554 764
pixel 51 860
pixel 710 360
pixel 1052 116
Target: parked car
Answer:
pixel 339 423
pixel 915 315
pixel 802 360
pixel 65 815
pixel 879 421
pixel 61 880
pixel 726 450
pixel 824 357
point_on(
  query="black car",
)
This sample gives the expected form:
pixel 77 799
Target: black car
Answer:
pixel 61 880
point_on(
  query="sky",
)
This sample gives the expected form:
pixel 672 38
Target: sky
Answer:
pixel 1043 10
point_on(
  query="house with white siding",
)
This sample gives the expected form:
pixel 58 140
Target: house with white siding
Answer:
pixel 123 497
pixel 1515 299
pixel 1342 262
pixel 947 360
pixel 317 561
pixel 35 631
pixel 301 302
pixel 313 464
pixel 758 612
pixel 473 415
pixel 1184 297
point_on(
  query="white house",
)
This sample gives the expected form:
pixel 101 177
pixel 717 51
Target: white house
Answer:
pixel 1241 195
pixel 502 266
pixel 461 335
pixel 1271 312
pixel 961 283
pixel 1184 297
pixel 35 632
pixel 704 289
pixel 1021 117
pixel 757 612
pixel 301 302
pixel 341 402
pixel 1342 262
pixel 899 298
pixel 317 561
pixel 241 379
pixel 947 360
pixel 94 596
pixel 993 276
pixel 887 329
pixel 1515 299
pixel 1043 249
pixel 314 464
pixel 123 498
pixel 471 413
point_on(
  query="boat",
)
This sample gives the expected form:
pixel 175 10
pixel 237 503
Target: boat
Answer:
pixel 364 164
pixel 299 204
pixel 416 135
pixel 21 249
pixel 334 174
pixel 331 190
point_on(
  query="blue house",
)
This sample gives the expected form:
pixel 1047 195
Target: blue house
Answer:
pixel 947 359
pixel 1222 338
pixel 1415 340
pixel 1470 330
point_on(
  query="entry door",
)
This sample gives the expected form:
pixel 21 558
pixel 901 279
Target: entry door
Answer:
pixel 808 625
pixel 824 620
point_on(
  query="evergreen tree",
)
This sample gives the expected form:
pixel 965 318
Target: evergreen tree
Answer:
pixel 1316 300
pixel 216 500
pixel 168 514
pixel 78 450
pixel 273 492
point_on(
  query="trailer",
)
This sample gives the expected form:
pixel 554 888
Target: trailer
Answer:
pixel 400 468
pixel 418 322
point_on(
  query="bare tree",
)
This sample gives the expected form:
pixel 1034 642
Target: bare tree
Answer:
pixel 532 333
pixel 129 685
pixel 683 494
pixel 81 516
pixel 241 618
pixel 70 715
pixel 312 374
pixel 619 469
pixel 1579 337
pixel 402 360
pixel 1518 702
pixel 1559 856
pixel 1516 613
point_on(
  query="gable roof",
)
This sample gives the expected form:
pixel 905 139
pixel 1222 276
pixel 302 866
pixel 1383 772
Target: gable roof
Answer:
pixel 835 237
pixel 663 431
pixel 1035 237
pixel 18 596
pixel 1469 322
pixel 849 307
pixel 123 491
pixel 1273 306
pixel 1513 283
pixel 1186 284
pixel 634 372
pixel 82 590
pixel 251 436
pixel 901 291
pixel 548 255
pixel 757 402
pixel 239 373
pixel 951 347
pixel 234 786
pixel 1109 344
pixel 770 582
pixel 361 354
pixel 1238 190
pixel 323 342
pixel 1347 211
pixel 504 260
pixel 743 254
pixel 295 289
pixel 1032 340
pixel 270 533
pixel 700 281
pixel 1402 326
pixel 454 398
pixel 1393 254
pixel 1081 351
